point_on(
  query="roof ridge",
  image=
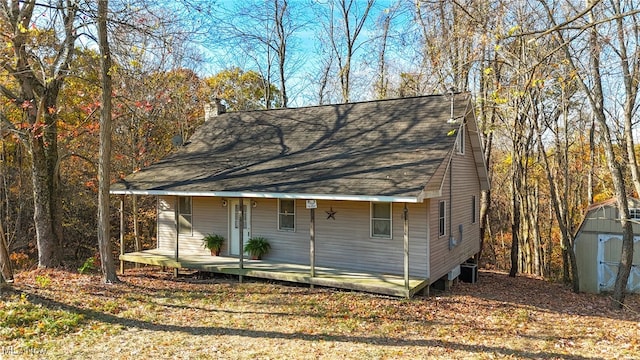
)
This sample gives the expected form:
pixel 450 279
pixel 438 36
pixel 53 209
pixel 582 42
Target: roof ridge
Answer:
pixel 467 93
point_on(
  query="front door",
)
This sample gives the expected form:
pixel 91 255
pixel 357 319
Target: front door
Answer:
pixel 234 208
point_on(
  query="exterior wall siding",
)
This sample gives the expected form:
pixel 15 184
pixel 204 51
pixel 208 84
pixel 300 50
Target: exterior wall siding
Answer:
pixel 342 243
pixel 208 216
pixel 586 249
pixel 465 185
pixel 345 242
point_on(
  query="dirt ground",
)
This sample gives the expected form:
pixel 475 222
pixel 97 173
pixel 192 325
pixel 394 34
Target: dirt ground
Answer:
pixel 55 314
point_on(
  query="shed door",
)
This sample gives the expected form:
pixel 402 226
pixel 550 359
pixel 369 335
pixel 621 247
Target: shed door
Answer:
pixel 609 249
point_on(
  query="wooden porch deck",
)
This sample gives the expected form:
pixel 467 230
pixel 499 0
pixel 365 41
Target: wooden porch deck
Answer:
pixel 330 277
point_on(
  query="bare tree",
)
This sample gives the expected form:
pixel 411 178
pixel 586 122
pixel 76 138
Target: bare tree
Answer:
pixel 342 27
pixel 627 49
pixel 591 79
pixel 38 69
pixel 263 31
pixel 104 156
pixel 6 271
pixel 384 23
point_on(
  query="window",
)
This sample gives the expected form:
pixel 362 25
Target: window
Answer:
pixel 474 207
pixel 634 214
pixel 286 215
pixel 461 139
pixel 442 219
pixel 184 215
pixel 381 220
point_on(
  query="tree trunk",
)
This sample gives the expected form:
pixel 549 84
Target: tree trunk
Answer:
pixel 280 18
pixel 592 160
pixel 38 84
pixel 381 82
pixel 47 213
pixel 104 238
pixel 597 104
pixel 515 229
pixel 6 272
pixel 593 90
pixel 486 123
pixel 630 85
pixel 514 251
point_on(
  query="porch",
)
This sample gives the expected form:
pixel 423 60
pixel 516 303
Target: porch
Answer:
pixel 385 284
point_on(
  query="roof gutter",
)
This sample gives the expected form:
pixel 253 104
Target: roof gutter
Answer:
pixel 269 195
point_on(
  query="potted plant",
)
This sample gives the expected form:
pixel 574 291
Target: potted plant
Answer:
pixel 257 247
pixel 214 243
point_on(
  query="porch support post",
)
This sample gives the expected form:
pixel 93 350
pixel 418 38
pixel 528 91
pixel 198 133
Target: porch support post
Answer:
pixel 312 245
pixel 177 222
pixel 405 218
pixel 121 233
pixel 241 237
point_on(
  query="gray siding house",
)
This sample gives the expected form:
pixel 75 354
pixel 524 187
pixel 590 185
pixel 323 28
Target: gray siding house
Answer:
pixel 396 185
pixel 598 246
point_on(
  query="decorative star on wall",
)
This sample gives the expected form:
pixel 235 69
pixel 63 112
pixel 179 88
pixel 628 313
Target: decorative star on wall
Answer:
pixel 331 214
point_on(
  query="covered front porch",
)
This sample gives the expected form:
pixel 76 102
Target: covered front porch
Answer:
pixel 385 284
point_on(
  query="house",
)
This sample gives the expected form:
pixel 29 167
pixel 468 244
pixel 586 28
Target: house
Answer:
pixel 598 246
pixel 385 188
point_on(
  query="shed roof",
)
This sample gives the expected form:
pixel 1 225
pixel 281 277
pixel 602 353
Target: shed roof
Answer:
pixel 387 150
pixel 632 202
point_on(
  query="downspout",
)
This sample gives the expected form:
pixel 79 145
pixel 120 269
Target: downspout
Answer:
pixel 451 239
pixel 121 234
pixel 405 217
pixel 176 203
pixel 241 238
pixel 312 245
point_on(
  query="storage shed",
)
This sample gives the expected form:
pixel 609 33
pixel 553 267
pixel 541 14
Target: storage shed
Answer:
pixel 598 245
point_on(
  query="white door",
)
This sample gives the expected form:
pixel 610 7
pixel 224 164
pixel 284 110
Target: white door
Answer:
pixel 234 224
pixel 609 249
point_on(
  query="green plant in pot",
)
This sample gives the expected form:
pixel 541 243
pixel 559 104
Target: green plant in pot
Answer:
pixel 214 243
pixel 257 247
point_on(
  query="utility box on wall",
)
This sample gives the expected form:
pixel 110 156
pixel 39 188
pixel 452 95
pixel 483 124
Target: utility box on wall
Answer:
pixel 469 272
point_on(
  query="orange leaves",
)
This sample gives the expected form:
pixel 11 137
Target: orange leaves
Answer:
pixel 27 104
pixel 145 105
pixel 91 107
pixel 91 184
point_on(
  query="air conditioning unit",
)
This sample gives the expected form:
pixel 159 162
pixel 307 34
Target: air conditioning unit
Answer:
pixel 469 272
pixel 454 273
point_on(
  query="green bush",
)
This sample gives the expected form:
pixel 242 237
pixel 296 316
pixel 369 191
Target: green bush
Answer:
pixel 214 243
pixel 257 247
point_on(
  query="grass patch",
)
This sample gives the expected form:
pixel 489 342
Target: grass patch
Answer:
pixel 20 318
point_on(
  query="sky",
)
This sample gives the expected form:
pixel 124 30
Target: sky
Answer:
pixel 305 54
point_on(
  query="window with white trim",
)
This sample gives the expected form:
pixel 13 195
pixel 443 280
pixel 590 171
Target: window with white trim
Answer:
pixel 442 218
pixel 185 215
pixel 286 214
pixel 381 220
pixel 634 213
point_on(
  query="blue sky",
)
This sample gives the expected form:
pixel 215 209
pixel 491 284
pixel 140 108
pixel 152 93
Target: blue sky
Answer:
pixel 305 57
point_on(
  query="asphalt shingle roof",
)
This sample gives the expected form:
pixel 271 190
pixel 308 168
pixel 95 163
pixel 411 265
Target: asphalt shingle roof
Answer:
pixel 377 148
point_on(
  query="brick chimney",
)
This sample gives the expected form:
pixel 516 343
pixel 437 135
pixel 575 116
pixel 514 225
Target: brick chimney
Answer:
pixel 214 108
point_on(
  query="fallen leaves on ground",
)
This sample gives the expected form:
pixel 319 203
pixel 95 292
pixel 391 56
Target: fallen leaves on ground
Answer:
pixel 153 315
